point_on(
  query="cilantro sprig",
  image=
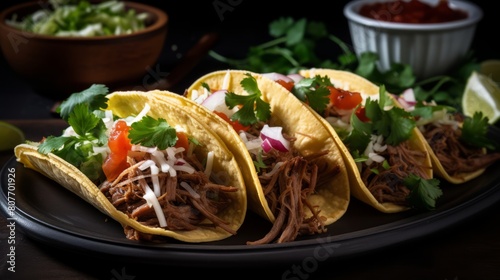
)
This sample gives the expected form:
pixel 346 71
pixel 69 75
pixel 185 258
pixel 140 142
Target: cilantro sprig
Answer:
pixel 475 132
pixel 252 107
pixel 296 44
pixel 81 110
pixel 423 193
pixel 314 92
pixel 152 132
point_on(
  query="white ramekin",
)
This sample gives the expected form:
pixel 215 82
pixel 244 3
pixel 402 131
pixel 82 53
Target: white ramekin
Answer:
pixel 430 49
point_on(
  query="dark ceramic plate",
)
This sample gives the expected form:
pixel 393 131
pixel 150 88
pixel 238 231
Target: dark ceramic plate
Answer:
pixel 52 215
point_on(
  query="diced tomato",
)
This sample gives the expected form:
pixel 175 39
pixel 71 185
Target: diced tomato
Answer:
pixel 119 145
pixel 361 114
pixel 182 140
pixel 344 99
pixel 288 85
pixel 235 124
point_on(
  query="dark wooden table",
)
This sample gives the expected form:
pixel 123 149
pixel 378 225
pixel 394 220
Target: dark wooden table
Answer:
pixel 468 249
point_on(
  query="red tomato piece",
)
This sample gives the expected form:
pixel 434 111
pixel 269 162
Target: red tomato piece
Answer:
pixel 182 140
pixel 235 124
pixel 119 145
pixel 343 99
pixel 288 85
pixel 361 114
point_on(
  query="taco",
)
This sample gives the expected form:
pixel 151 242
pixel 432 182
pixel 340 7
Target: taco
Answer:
pixel 294 172
pixel 152 166
pixel 459 146
pixel 389 166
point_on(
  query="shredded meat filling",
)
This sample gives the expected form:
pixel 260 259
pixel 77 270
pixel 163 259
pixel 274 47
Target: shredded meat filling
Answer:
pixel 287 189
pixel 455 156
pixel 387 185
pixel 182 210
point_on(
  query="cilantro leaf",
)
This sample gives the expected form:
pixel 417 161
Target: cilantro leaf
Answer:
pixel 53 143
pixel 359 137
pixel 475 130
pixel 393 123
pixel 152 132
pixel 94 96
pixel 423 193
pixel 314 92
pixel 82 120
pixel 253 108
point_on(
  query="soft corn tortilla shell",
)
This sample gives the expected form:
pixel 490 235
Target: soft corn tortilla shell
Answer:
pixel 352 82
pixel 349 81
pixel 131 103
pixel 441 172
pixel 296 120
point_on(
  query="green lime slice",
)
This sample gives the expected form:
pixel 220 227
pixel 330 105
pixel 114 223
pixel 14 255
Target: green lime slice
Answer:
pixel 10 136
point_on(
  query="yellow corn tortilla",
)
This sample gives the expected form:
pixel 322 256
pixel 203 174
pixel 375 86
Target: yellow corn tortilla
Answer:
pixel 352 82
pixel 125 104
pixel 286 111
pixel 441 171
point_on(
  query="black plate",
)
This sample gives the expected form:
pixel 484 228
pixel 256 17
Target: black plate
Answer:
pixel 52 215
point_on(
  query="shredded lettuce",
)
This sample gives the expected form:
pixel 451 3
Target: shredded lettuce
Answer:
pixel 80 18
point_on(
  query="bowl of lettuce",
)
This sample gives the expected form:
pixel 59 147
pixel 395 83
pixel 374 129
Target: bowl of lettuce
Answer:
pixel 63 46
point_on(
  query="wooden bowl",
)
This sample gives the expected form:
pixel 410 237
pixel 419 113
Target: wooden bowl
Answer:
pixel 59 66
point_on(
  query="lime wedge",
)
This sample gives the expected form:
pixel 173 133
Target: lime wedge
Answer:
pixel 491 68
pixel 10 136
pixel 481 94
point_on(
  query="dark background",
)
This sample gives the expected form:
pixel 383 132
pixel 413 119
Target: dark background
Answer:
pixel 241 24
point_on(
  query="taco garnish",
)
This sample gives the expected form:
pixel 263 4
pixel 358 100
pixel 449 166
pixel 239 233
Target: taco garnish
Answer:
pixel 390 168
pixel 459 146
pixel 293 169
pixel 150 166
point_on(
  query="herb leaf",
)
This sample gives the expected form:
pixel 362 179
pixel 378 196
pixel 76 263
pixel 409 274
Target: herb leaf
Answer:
pixel 474 132
pixel 314 92
pixel 94 96
pixel 150 132
pixel 423 193
pixel 253 108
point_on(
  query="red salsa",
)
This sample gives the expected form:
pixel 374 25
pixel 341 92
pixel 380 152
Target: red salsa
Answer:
pixel 413 11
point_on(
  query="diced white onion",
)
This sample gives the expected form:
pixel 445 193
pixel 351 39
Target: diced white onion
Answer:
pixel 217 102
pixel 376 157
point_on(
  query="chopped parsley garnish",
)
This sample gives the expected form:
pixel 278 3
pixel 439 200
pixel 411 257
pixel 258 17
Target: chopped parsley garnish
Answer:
pixel 252 107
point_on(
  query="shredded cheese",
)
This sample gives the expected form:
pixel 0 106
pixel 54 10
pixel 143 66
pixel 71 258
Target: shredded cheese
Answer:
pixel 190 189
pixel 210 162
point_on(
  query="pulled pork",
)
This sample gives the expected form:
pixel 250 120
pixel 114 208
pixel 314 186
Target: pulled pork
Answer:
pixel 387 184
pixel 455 156
pixel 288 180
pixel 182 209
